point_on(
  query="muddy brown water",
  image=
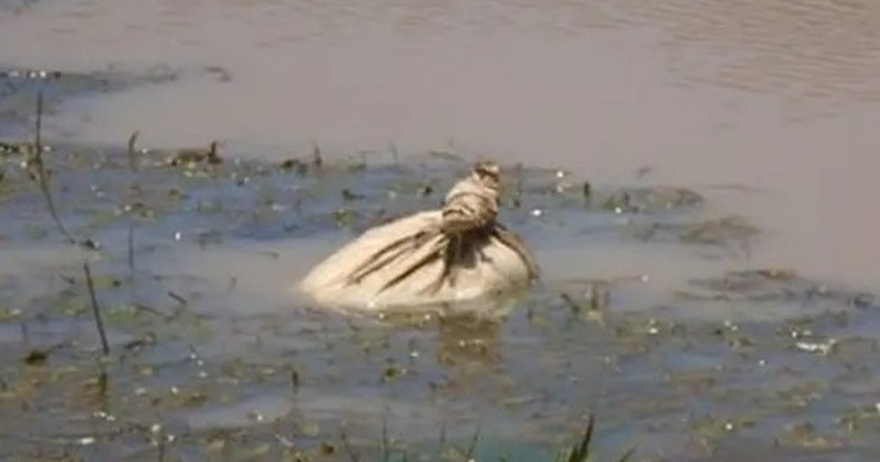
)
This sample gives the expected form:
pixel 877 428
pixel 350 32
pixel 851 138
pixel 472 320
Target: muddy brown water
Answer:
pixel 767 109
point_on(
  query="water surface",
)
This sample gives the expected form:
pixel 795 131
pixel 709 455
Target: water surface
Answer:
pixel 767 109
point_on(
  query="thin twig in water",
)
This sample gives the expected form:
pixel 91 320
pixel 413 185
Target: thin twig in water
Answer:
pixel 473 447
pixel 177 298
pixel 317 160
pixel 149 309
pixel 517 200
pixel 581 451
pixel 576 308
pixel 25 333
pixel 294 381
pixel 159 433
pixel 386 453
pixel 42 177
pixel 132 154
pixel 132 165
pixel 96 310
pixel 43 181
pixel 160 443
pixel 628 454
pixel 130 243
pixel 102 384
pixel 348 448
pixel 442 439
pixel 395 154
pixel 38 130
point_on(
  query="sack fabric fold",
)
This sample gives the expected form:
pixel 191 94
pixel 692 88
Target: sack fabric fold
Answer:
pixel 458 253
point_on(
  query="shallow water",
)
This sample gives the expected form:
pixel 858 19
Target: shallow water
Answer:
pixel 212 358
pixel 776 96
pixel 765 109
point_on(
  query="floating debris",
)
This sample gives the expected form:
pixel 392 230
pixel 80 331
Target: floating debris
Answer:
pixel 453 254
pixel 192 156
pixel 718 231
pixel 642 200
pixel 36 357
pixel 22 148
pixel 294 164
pixel 761 285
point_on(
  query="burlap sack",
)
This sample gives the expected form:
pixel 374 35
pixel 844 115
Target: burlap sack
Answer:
pixel 454 254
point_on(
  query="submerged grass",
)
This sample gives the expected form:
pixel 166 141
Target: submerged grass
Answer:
pixel 583 449
pixel 39 171
pixel 140 401
pixel 41 175
pixel 98 385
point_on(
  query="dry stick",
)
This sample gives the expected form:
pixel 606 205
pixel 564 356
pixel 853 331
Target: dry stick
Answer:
pixel 395 154
pixel 346 444
pixel 105 347
pixel 25 332
pixel 442 439
pixel 130 243
pixel 177 298
pixel 41 171
pixel 158 432
pixel 160 443
pixel 47 194
pixel 581 452
pixel 473 447
pixel 132 154
pixel 517 200
pixel 102 384
pixel 132 165
pixel 385 449
pixel 294 381
pixel 317 159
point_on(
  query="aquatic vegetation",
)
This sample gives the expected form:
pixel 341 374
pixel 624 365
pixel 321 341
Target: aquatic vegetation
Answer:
pixel 202 366
pixel 641 200
pixel 19 89
pixel 581 451
pixel 718 231
pixel 764 285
